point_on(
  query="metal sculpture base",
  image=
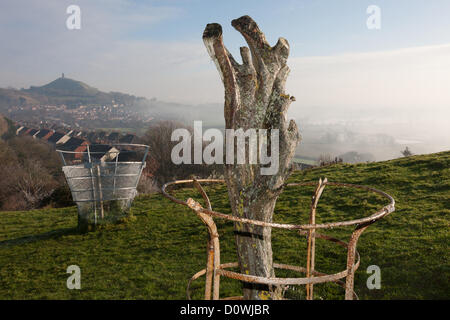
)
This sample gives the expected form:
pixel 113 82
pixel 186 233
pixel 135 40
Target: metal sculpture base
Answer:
pixel 103 184
pixel 214 269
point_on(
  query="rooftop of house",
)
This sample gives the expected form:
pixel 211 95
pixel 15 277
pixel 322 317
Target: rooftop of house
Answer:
pixel 73 142
pixel 48 135
pixel 92 136
pixel 42 133
pixel 24 130
pixel 100 148
pixel 55 137
pixel 97 151
pixel 101 134
pixel 71 147
pixel 113 136
pixel 32 132
pixel 129 138
pixel 129 156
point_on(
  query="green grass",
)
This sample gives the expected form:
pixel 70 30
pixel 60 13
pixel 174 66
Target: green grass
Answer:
pixel 153 255
pixel 306 161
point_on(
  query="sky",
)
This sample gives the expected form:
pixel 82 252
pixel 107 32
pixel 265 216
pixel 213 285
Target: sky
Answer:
pixel 155 49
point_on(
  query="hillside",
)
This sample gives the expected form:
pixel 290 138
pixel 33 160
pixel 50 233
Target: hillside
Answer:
pixel 64 91
pixel 73 93
pixel 13 97
pixel 153 256
pixel 7 128
pixel 64 87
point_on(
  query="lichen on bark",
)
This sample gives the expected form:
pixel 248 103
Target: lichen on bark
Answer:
pixel 255 99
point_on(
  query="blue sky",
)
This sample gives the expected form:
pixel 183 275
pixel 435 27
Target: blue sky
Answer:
pixel 313 27
pixel 154 48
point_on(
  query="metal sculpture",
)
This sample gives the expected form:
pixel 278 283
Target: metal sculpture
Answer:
pixel 215 269
pixel 103 181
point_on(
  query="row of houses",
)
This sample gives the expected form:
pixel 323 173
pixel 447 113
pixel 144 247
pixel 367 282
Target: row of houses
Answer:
pixel 76 144
pixel 93 136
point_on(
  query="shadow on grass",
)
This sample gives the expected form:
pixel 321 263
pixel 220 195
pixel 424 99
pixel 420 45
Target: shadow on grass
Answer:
pixel 43 236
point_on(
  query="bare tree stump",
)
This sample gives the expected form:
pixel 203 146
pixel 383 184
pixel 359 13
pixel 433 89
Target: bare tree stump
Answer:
pixel 255 99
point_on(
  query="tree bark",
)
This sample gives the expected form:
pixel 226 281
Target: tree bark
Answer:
pixel 255 99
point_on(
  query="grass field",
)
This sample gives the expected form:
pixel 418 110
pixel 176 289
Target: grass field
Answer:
pixel 306 161
pixel 153 255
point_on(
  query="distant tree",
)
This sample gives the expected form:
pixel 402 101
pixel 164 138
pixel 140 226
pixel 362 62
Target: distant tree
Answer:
pixel 7 128
pixel 28 149
pixel 61 197
pixel 7 155
pixel 356 157
pixel 24 187
pixel 29 172
pixel 147 185
pixel 158 138
pixel 406 152
pixel 34 183
pixel 326 159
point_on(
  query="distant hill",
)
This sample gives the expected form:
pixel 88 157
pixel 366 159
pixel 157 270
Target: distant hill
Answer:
pixel 65 91
pixel 73 93
pixel 13 97
pixel 65 87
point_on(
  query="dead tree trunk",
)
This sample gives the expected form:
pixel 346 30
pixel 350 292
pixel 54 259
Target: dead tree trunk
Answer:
pixel 255 99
